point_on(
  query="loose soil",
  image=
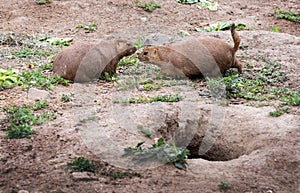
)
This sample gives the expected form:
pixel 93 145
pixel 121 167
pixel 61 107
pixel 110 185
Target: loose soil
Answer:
pixel 252 151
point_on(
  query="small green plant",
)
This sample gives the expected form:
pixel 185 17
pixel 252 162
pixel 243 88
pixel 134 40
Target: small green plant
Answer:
pixel 112 174
pixel 208 4
pixel 287 15
pixel 21 119
pixel 138 43
pixel 129 60
pixel 81 164
pixel 108 76
pixel 224 186
pixel 279 111
pixel 148 6
pixel 66 98
pixel 275 29
pixel 41 2
pixel 8 78
pixel 161 151
pixel 166 98
pixel 220 26
pixel 89 27
pixel 56 41
pixel 148 133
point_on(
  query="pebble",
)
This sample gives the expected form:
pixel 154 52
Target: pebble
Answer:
pixel 85 176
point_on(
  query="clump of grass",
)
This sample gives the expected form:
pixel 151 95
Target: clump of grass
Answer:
pixel 112 174
pixel 143 99
pixel 161 151
pixel 21 119
pixel 287 15
pixel 89 27
pixel 148 133
pixel 148 6
pixel 81 164
pixel 66 98
pixel 108 77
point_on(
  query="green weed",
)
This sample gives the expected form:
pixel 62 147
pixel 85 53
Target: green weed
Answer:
pixel 8 78
pixel 81 164
pixel 138 43
pixel 148 6
pixel 161 151
pixel 66 98
pixel 287 15
pixel 275 29
pixel 112 174
pixel 108 77
pixel 21 119
pixel 129 60
pixel 88 27
pixel 220 26
pixel 223 186
pixel 57 41
pixel 143 99
pixel 208 4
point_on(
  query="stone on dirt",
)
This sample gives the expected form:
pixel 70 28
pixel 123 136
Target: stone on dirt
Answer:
pixel 37 94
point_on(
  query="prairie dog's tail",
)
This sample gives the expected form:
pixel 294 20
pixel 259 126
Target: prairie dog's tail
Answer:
pixel 236 38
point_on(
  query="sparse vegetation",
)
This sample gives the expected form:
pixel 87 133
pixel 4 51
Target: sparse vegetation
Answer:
pixel 81 164
pixel 21 119
pixel 56 41
pixel 89 27
pixel 161 151
pixel 275 29
pixel 212 6
pixel 220 26
pixel 263 86
pixel 148 6
pixel 66 98
pixel 113 174
pixel 148 133
pixel 287 15
pixel 37 79
pixel 143 99
pixel 29 53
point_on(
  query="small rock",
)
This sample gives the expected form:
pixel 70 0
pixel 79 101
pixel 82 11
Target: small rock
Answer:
pixel 85 176
pixel 36 94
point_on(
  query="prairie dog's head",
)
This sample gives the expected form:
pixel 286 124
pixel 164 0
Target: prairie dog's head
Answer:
pixel 149 54
pixel 125 46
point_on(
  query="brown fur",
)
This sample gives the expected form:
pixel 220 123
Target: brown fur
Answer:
pixel 86 61
pixel 196 56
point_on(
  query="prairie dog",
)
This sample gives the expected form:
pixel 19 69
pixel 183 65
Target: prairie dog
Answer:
pixel 195 56
pixel 84 62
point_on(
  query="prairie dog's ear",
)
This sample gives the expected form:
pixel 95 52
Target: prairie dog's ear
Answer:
pixel 155 51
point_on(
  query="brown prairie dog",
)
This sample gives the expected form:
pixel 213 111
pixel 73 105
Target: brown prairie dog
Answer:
pixel 195 56
pixel 84 62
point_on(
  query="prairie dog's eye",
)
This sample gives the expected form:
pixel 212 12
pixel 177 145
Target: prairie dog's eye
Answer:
pixel 145 53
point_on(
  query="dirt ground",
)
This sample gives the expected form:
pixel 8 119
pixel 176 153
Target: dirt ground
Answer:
pixel 253 152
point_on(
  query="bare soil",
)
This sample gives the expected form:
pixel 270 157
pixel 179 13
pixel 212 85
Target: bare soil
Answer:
pixel 252 151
